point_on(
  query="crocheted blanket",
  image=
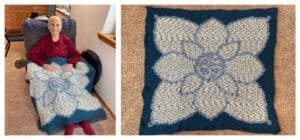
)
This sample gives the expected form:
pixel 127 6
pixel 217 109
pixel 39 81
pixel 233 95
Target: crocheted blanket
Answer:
pixel 209 70
pixel 62 98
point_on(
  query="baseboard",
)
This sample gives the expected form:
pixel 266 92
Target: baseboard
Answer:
pixel 105 105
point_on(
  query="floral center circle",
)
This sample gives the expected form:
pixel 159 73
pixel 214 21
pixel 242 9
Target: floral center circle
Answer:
pixel 58 84
pixel 210 67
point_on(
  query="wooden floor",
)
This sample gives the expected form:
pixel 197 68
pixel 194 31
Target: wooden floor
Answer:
pixel 20 117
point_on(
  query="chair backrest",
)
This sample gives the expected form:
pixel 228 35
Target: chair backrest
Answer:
pixel 34 29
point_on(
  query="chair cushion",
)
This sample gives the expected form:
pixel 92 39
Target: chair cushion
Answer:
pixel 15 38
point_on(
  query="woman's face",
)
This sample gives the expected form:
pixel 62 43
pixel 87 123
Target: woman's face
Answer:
pixel 54 26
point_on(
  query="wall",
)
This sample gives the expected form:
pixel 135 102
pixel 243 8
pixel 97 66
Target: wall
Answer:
pixel 109 25
pixel 90 20
pixel 16 14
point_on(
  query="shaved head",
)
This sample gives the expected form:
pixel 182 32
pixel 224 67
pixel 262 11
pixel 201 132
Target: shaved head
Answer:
pixel 54 19
pixel 54 25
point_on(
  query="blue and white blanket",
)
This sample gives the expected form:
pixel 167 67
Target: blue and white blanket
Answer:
pixel 209 70
pixel 62 98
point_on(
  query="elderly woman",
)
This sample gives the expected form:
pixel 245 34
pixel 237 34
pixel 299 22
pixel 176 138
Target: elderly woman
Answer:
pixel 58 45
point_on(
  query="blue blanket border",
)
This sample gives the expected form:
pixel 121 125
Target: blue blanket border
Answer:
pixel 197 122
pixel 59 122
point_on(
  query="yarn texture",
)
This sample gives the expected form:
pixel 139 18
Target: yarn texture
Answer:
pixel 60 97
pixel 208 70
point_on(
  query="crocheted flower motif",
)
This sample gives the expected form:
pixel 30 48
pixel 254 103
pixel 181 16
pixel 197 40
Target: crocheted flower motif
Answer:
pixel 60 93
pixel 209 69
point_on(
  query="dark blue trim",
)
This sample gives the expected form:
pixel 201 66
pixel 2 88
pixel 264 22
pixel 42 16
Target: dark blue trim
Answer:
pixel 198 122
pixel 58 123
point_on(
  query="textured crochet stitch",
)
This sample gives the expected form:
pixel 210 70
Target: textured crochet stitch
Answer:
pixel 207 70
pixel 61 97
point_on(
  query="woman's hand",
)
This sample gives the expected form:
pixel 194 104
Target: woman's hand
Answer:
pixel 49 67
pixel 68 67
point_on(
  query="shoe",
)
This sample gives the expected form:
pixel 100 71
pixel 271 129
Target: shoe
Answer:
pixel 20 63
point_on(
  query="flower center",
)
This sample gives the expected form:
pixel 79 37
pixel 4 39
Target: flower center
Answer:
pixel 58 84
pixel 210 66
